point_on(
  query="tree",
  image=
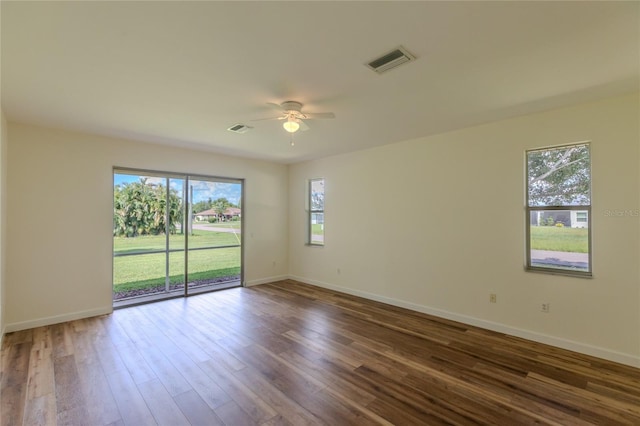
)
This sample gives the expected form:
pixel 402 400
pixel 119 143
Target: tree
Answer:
pixel 559 176
pixel 220 206
pixel 140 209
pixel 201 206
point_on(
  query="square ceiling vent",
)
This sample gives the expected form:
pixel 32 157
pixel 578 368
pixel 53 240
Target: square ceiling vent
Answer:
pixel 391 60
pixel 239 128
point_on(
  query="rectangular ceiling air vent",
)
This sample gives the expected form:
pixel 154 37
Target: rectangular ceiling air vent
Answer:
pixel 391 60
pixel 239 128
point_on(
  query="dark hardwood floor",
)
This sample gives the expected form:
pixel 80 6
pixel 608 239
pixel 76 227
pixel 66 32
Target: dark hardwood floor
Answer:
pixel 292 354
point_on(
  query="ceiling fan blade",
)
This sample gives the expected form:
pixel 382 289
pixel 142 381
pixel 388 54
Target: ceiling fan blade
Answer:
pixel 274 105
pixel 314 115
pixel 303 126
pixel 280 117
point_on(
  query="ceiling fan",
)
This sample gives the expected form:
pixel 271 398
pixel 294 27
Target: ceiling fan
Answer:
pixel 291 113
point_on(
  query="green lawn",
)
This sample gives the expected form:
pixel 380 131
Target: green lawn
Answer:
pixel 575 240
pixel 176 241
pixel 148 270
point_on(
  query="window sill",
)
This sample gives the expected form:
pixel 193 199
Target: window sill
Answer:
pixel 549 271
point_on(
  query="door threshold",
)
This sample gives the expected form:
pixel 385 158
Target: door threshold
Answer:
pixel 157 297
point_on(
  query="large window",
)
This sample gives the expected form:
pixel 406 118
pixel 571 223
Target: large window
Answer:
pixel 558 212
pixel 316 212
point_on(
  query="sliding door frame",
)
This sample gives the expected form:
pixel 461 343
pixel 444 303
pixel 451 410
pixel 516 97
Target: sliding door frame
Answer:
pixel 187 225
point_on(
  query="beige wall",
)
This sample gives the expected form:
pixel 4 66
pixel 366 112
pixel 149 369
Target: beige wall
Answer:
pixel 3 216
pixel 59 233
pixel 437 224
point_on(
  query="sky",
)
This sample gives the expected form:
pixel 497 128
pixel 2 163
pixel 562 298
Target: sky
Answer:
pixel 202 190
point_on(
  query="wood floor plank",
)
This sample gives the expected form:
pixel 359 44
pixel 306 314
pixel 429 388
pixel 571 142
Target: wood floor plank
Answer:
pixel 131 405
pixel 215 351
pixel 196 410
pixel 232 414
pixel 61 336
pixel 108 355
pixel 287 377
pixel 70 402
pixel 13 387
pixel 22 336
pixel 135 362
pixel 330 374
pixel 243 395
pixel 283 404
pixel 288 353
pixel 166 372
pixel 100 402
pixel 41 411
pixel 195 378
pixel 41 377
pixel 161 404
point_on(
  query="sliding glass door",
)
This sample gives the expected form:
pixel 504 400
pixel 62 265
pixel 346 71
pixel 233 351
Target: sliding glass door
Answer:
pixel 174 235
pixel 215 237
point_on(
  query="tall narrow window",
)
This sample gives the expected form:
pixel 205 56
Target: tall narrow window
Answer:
pixel 558 218
pixel 316 212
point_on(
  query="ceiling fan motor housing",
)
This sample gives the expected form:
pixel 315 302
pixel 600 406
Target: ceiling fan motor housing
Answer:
pixel 291 106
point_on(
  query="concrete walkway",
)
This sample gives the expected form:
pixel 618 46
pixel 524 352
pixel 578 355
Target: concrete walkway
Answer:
pixel 201 227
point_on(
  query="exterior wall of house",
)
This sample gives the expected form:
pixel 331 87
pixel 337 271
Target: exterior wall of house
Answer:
pixel 435 259
pixel 579 219
pixel 60 264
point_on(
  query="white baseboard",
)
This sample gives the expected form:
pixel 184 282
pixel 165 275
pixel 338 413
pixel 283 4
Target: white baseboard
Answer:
pixel 266 280
pixel 622 358
pixel 39 322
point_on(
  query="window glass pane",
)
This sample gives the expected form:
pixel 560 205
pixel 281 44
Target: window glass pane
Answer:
pixel 139 206
pixel 316 212
pixel 559 240
pixel 177 214
pixel 176 271
pixel 559 176
pixel 140 275
pixel 317 228
pixel 209 269
pixel 216 213
pixel 317 194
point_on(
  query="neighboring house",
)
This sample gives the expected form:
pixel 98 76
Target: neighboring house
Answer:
pixel 229 214
pixel 570 218
pixel 317 218
pixel 579 219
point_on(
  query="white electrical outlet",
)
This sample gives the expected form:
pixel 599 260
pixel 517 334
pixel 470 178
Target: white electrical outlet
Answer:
pixel 546 307
pixel 493 298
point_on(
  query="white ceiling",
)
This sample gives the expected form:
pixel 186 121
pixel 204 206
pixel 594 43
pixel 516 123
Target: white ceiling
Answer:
pixel 181 73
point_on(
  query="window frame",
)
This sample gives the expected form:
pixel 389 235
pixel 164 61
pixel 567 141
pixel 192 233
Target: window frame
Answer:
pixel 583 207
pixel 311 211
pixel 581 218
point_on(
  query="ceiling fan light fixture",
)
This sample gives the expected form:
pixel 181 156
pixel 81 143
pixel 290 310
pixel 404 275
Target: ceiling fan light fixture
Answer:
pixel 291 125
